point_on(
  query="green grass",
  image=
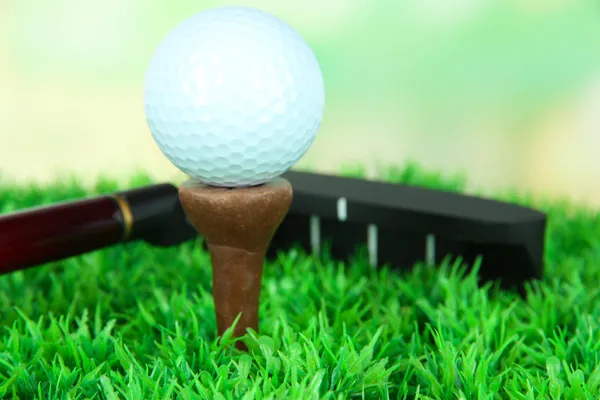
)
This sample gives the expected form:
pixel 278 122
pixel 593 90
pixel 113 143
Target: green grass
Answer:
pixel 134 322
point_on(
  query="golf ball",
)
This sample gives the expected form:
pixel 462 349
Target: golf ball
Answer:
pixel 233 96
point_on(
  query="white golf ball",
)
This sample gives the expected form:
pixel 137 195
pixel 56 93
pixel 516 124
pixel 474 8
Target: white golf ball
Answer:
pixel 233 96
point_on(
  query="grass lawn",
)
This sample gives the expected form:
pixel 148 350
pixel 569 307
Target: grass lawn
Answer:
pixel 135 322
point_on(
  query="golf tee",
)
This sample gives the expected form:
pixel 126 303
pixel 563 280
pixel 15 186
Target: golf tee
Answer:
pixel 237 224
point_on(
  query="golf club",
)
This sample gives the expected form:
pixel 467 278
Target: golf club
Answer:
pixel 399 224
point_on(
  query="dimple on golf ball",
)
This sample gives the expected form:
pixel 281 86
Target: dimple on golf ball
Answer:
pixel 233 96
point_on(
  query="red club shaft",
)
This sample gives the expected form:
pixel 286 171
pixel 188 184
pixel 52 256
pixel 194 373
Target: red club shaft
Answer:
pixel 45 234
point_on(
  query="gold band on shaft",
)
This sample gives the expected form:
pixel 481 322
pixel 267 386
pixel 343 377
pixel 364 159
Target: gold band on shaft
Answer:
pixel 127 215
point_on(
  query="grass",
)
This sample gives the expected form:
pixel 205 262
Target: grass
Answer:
pixel 135 322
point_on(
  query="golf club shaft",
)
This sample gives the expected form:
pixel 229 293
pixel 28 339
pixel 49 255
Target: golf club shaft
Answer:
pixel 51 233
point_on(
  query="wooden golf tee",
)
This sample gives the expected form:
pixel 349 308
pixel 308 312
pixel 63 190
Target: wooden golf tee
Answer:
pixel 237 224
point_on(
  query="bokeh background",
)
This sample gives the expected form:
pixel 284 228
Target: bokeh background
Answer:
pixel 504 92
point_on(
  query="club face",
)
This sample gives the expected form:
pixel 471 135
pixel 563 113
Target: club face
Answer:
pixel 508 238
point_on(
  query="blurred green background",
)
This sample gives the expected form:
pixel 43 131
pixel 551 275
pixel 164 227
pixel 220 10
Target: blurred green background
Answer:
pixel 506 92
